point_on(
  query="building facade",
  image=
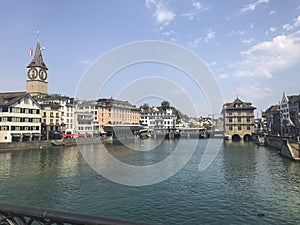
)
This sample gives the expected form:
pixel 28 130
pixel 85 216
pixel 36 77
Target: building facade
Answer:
pixel 158 120
pixel 294 110
pixel 273 120
pixel 63 105
pixel 289 116
pixel 86 118
pixel 238 120
pixel 20 117
pixel 112 111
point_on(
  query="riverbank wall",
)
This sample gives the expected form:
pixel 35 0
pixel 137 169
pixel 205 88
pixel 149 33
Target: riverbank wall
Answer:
pixel 286 148
pixel 50 143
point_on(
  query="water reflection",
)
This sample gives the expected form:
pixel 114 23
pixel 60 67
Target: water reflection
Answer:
pixel 243 181
pixel 5 164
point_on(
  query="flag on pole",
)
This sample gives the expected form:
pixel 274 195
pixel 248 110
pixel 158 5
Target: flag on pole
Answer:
pixel 30 51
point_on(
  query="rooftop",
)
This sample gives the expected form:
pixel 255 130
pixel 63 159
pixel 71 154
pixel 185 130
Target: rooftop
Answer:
pixel 9 98
pixel 238 104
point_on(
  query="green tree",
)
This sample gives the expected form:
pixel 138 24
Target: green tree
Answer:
pixel 165 105
pixel 145 107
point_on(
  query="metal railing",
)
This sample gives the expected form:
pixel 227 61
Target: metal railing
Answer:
pixel 26 215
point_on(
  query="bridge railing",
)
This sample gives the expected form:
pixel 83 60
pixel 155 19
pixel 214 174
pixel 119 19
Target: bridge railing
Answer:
pixel 27 215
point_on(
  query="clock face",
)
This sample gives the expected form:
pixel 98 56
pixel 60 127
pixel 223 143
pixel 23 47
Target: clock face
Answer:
pixel 43 74
pixel 32 73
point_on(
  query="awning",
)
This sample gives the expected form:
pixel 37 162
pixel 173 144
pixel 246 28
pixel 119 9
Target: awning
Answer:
pixel 16 135
pixel 36 135
pixel 26 134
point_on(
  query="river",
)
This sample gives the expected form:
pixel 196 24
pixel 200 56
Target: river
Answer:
pixel 242 181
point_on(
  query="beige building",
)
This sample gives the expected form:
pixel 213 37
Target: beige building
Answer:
pixel 51 121
pixel 57 114
pixel 37 74
pixel 20 117
pixel 238 120
pixel 112 111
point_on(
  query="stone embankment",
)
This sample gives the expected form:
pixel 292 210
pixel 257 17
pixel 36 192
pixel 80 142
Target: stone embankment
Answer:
pixel 286 148
pixel 48 143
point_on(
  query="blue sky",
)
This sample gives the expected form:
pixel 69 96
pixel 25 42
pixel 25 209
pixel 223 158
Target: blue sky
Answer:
pixel 252 47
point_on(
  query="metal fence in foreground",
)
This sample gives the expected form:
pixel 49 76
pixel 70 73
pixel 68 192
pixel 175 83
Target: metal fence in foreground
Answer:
pixel 26 215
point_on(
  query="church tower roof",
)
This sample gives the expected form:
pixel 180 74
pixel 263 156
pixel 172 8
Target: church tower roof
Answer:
pixel 37 60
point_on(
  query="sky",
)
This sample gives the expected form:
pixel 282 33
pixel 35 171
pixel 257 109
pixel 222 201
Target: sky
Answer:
pixel 251 47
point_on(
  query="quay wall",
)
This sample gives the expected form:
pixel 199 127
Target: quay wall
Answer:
pixel 284 147
pixel 24 145
pixel 48 143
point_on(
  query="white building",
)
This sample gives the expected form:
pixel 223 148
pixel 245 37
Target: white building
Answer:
pixel 20 117
pixel 67 112
pixel 158 120
pixel 284 109
pixel 86 117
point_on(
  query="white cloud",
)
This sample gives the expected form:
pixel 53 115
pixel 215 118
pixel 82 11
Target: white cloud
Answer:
pixel 212 63
pixel 169 33
pixel 197 5
pixel 210 35
pixel 163 16
pixel 292 26
pixel 223 76
pixel 251 25
pixel 252 6
pixel 248 41
pixel 268 57
pixel 287 27
pixel 271 29
pixel 272 12
pixel 239 32
pixel 195 43
pixel 85 62
pixel 196 8
pixel 254 92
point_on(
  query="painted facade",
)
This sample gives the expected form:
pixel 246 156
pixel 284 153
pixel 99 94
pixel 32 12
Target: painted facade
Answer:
pixel 112 111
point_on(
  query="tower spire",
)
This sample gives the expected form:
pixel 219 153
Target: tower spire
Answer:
pixel 37 60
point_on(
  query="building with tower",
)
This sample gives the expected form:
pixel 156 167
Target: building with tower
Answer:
pixel 37 74
pixel 56 110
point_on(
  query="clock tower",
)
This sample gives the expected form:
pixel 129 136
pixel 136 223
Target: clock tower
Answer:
pixel 37 74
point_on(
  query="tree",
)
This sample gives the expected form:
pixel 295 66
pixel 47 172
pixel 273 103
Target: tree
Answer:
pixel 165 105
pixel 145 107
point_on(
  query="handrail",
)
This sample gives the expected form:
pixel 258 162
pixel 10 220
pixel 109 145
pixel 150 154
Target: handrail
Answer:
pixel 26 215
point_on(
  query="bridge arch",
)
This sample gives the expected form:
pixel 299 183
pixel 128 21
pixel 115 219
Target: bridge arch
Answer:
pixel 247 137
pixel 236 137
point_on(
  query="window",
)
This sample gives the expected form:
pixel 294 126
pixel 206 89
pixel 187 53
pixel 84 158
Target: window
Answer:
pixel 239 127
pixel 4 109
